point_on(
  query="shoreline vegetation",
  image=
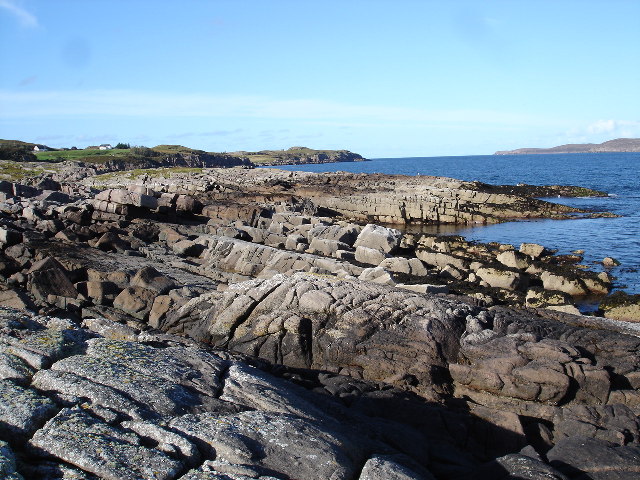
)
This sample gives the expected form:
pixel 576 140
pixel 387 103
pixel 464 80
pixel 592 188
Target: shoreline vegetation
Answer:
pixel 162 305
pixel 167 155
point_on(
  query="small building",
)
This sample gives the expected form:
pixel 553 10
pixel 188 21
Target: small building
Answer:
pixel 105 146
pixel 41 148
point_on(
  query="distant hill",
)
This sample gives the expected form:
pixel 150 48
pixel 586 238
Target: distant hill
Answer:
pixel 617 145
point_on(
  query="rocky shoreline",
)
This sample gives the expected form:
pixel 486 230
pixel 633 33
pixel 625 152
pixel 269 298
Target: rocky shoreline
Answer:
pixel 258 324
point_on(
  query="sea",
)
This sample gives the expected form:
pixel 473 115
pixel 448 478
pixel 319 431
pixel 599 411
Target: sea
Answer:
pixel 617 174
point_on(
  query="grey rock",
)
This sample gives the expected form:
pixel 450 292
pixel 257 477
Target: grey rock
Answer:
pixel 187 248
pixel 8 463
pixel 517 467
pixel 22 411
pixel 84 441
pixel 112 242
pixel 588 458
pixel 14 368
pixel 151 279
pixel 48 277
pixel 282 444
pixel 136 301
pixel 379 238
pixel 254 389
pixel 100 292
pixel 309 321
pixel 387 467
pixel 370 256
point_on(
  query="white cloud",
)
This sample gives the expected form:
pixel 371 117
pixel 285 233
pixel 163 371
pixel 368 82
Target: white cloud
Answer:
pixel 26 18
pixel 617 128
pixel 20 104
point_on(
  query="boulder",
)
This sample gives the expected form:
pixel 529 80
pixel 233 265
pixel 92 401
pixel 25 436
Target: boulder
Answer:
pixel 111 242
pixel 513 259
pixel 564 283
pixel 187 248
pixel 15 299
pixel 441 260
pixel 326 247
pixel 120 278
pixel 410 266
pixel 539 297
pixel 425 288
pixel 150 279
pixel 610 262
pixel 346 234
pixel 185 204
pixel 9 236
pixel 533 250
pixel 377 237
pixel 48 277
pixel 99 292
pixel 502 278
pixel 135 301
pixel 621 306
pixel 369 256
pixel 377 275
pixel 274 442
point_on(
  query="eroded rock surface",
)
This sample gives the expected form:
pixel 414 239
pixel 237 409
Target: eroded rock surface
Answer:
pixel 160 407
pixel 163 332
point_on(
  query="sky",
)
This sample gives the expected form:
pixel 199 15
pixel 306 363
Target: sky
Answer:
pixel 381 78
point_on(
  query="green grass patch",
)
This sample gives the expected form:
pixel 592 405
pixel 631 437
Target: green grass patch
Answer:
pixel 166 172
pixel 15 171
pixel 82 155
pixel 176 149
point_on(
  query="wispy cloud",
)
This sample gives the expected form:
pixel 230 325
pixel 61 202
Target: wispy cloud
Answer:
pixel 25 18
pixel 19 104
pixel 621 128
pixel 602 130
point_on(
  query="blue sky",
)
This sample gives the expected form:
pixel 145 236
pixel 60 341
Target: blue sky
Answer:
pixel 381 78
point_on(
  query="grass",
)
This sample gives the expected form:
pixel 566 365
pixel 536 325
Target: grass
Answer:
pixel 165 172
pixel 15 171
pixel 175 149
pixel 81 155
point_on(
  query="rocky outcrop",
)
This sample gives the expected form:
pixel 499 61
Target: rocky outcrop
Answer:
pixel 299 156
pixel 386 199
pixel 164 336
pixel 621 306
pixel 369 331
pixel 159 406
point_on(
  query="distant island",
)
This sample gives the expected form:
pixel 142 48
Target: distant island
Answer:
pixel 617 145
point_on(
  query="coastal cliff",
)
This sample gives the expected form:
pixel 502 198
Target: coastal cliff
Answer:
pixel 617 145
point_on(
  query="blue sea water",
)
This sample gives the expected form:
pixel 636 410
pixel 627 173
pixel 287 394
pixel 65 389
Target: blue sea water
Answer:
pixel 618 174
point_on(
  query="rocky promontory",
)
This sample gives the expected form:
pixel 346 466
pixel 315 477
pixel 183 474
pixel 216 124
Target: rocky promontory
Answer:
pixel 617 145
pixel 298 156
pixel 258 324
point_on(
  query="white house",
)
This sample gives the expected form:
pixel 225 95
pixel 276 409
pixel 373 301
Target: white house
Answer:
pixel 105 146
pixel 40 148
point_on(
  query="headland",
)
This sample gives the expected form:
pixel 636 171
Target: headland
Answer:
pixel 617 145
